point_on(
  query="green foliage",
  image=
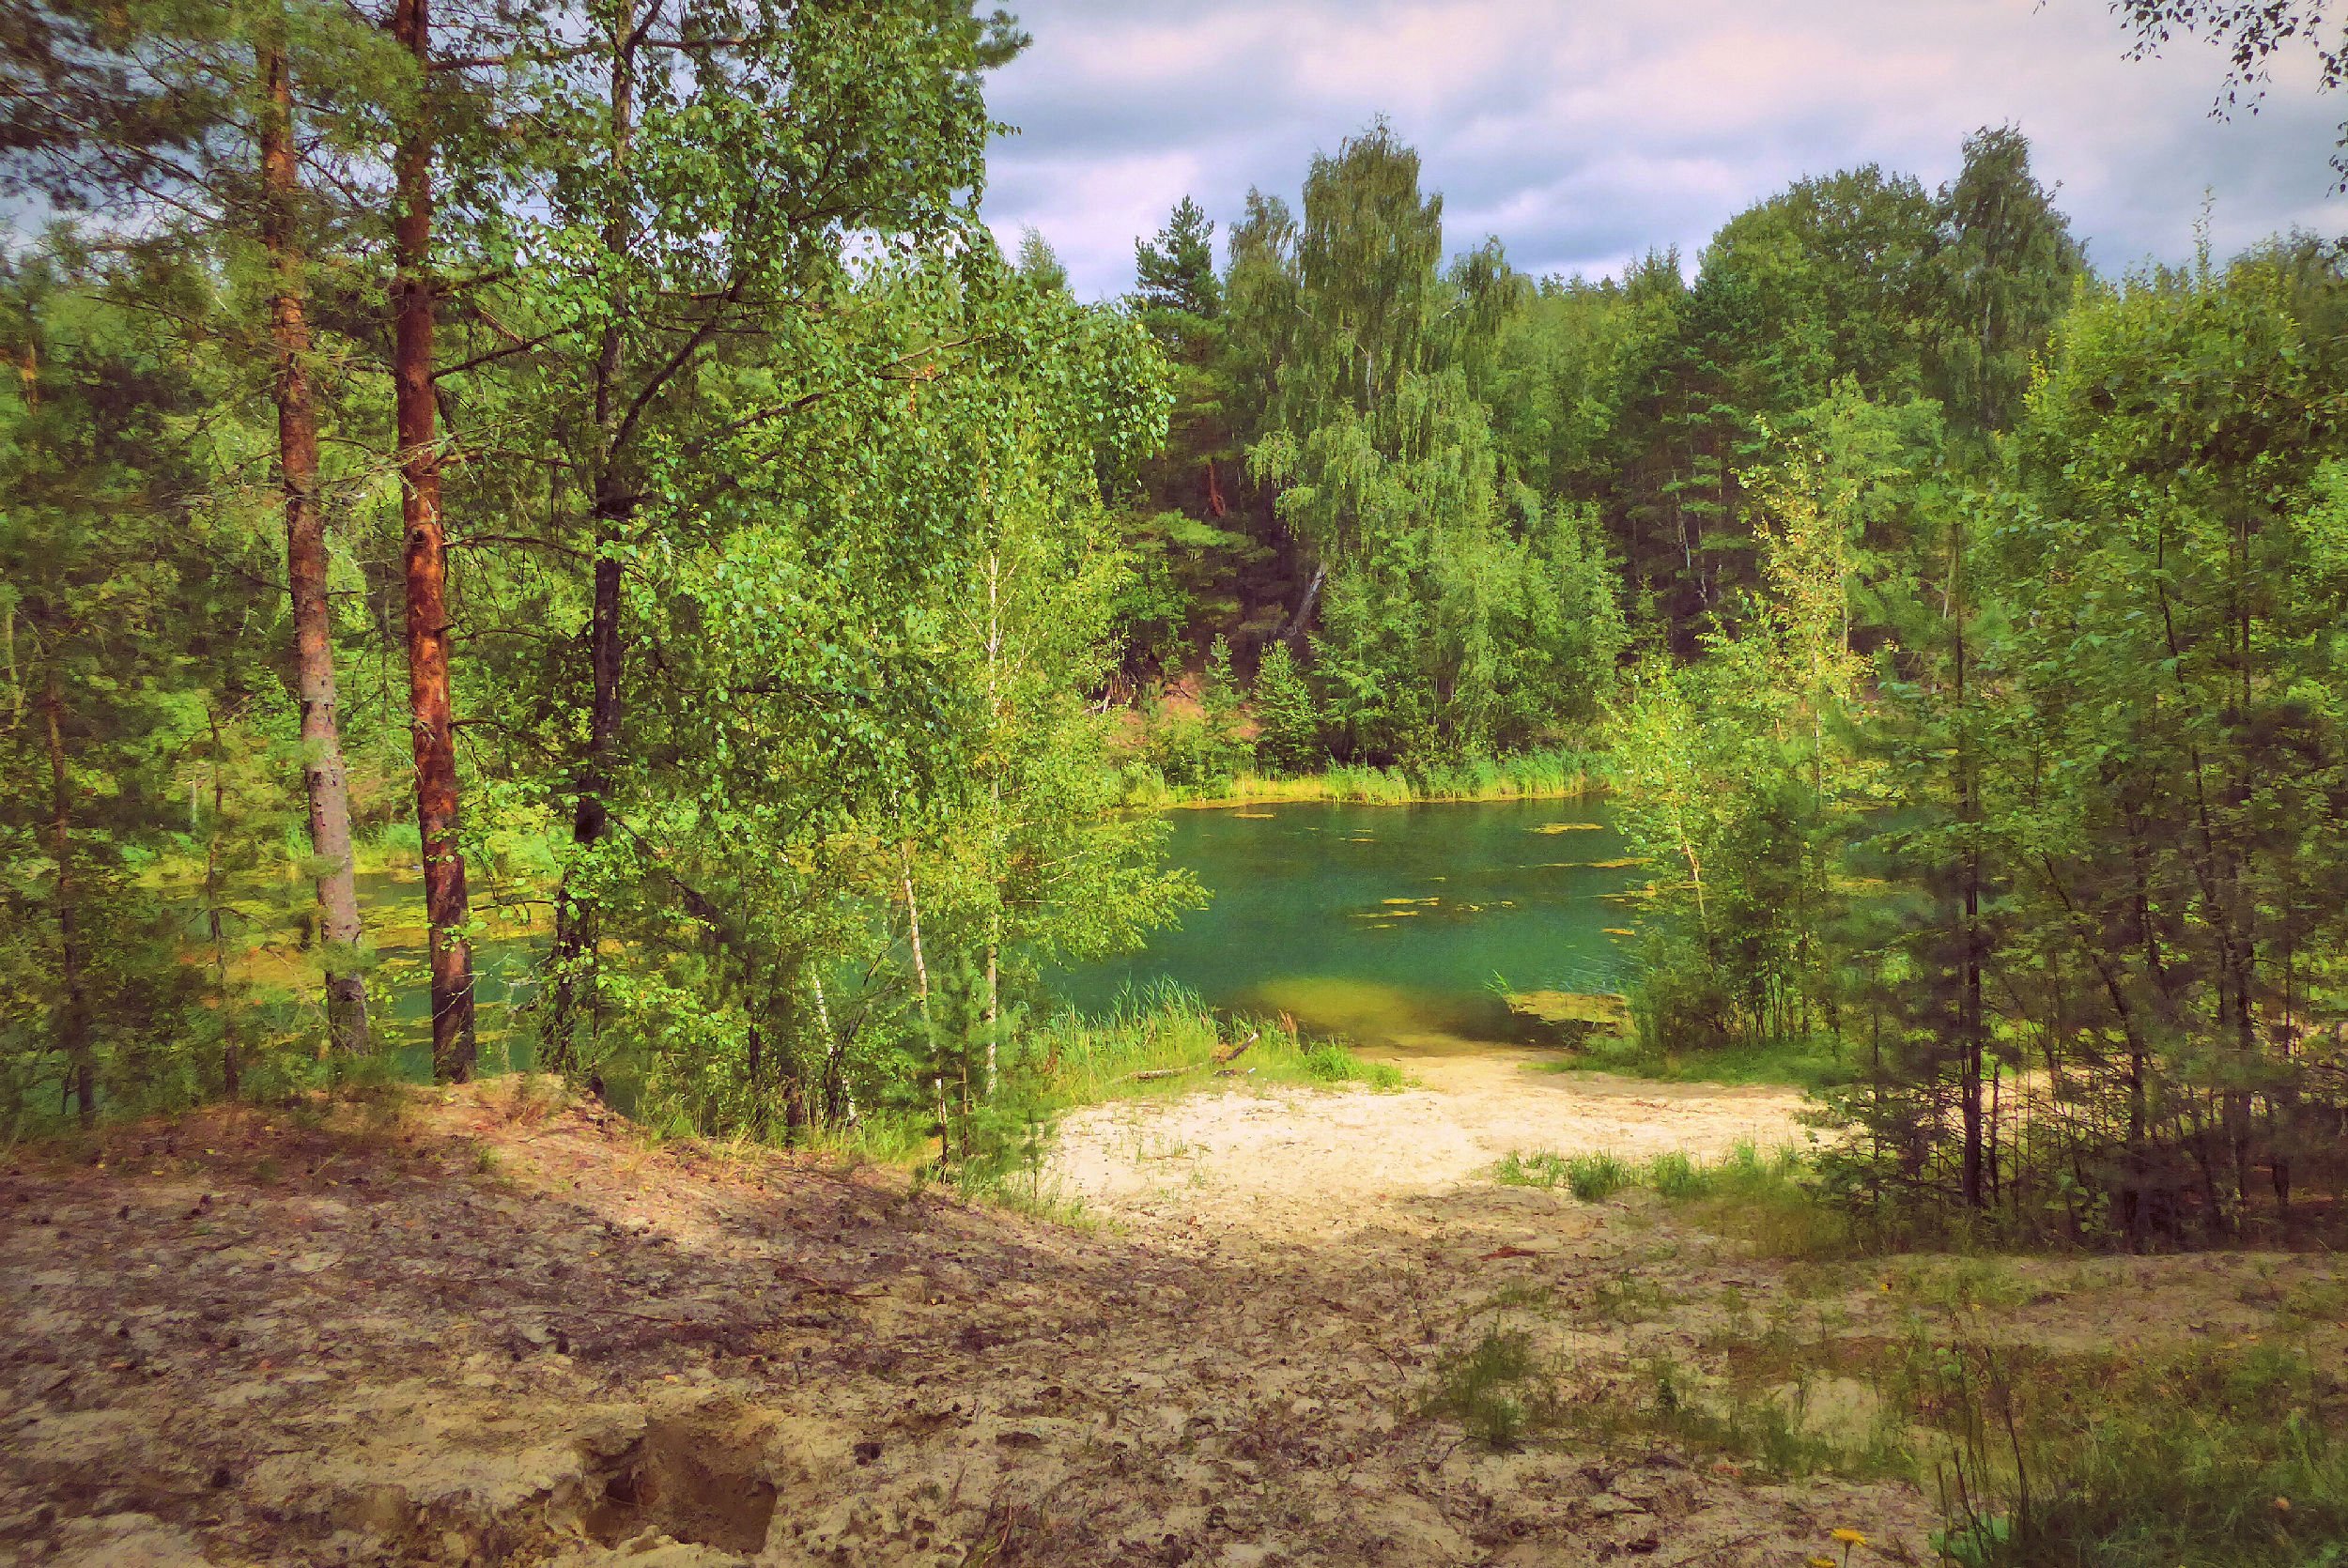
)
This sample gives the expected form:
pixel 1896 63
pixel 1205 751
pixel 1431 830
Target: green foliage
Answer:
pixel 774 495
pixel 1329 1062
pixel 2137 1461
pixel 1590 1178
pixel 133 742
pixel 1550 773
pixel 1176 270
pixel 2006 270
pixel 1038 264
pixel 1966 631
pixel 1287 717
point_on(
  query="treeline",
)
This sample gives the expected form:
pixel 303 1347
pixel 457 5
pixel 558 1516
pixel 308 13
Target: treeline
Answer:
pixel 1966 629
pixel 1453 495
pixel 595 456
pixel 2022 782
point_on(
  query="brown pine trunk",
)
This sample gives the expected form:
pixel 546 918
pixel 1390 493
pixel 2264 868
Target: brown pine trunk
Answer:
pixel 426 562
pixel 73 1020
pixel 322 774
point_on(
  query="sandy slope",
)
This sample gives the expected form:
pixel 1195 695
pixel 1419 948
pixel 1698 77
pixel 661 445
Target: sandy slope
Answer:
pixel 1304 1163
pixel 489 1331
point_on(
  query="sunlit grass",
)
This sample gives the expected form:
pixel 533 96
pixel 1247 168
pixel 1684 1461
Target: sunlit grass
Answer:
pixel 1531 776
pixel 1811 1064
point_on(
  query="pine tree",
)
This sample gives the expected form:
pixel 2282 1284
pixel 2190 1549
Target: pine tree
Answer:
pixel 1287 718
pixel 1176 270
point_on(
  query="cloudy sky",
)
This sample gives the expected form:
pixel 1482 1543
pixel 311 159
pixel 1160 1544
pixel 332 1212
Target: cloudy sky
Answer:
pixel 1583 132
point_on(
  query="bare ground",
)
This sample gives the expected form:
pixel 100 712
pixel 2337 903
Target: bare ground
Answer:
pixel 476 1328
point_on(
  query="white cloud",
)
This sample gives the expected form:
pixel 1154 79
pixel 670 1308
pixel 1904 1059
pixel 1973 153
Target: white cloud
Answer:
pixel 1582 134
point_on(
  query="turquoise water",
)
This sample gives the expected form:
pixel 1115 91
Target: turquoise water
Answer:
pixel 1398 926
pixel 505 977
pixel 1395 925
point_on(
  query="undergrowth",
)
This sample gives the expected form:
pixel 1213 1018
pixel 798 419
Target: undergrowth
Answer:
pixel 1769 1200
pixel 1497 1389
pixel 2210 1454
pixel 2121 1460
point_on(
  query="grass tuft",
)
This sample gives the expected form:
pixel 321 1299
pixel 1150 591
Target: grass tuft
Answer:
pixel 1496 1389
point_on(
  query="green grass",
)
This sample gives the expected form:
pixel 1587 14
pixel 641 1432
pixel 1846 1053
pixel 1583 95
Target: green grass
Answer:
pixel 1771 1427
pixel 1164 1030
pixel 1769 1200
pixel 1328 1062
pixel 1530 776
pixel 2203 1455
pixel 1496 1389
pixel 1591 1178
pixel 1802 1064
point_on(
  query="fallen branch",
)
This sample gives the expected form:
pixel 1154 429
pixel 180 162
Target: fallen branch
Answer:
pixel 1155 1072
pixel 1234 1053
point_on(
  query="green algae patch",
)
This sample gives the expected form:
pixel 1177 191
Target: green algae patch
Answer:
pixel 1573 1016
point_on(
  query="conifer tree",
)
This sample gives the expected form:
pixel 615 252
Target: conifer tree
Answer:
pixel 1288 719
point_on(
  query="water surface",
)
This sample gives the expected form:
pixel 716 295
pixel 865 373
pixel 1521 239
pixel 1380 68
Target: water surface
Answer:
pixel 1399 926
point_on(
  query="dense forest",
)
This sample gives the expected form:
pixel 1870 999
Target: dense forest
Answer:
pixel 599 459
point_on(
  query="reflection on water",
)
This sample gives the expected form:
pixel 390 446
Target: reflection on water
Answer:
pixel 1399 926
pixel 504 974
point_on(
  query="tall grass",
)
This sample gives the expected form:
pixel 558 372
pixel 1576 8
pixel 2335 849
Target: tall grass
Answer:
pixel 2113 1460
pixel 1558 774
pixel 1590 1178
pixel 1808 1064
pixel 1072 1059
pixel 2212 1453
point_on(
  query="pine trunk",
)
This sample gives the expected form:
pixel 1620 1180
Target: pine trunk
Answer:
pixel 324 779
pixel 73 1013
pixel 426 564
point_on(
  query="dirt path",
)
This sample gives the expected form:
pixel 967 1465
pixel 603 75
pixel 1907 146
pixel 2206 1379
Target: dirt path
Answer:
pixel 482 1329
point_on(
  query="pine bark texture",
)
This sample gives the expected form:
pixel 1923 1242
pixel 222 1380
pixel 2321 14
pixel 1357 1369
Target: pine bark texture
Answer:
pixel 425 562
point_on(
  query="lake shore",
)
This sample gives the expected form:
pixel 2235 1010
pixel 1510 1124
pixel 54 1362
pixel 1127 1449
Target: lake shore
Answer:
pixel 1538 776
